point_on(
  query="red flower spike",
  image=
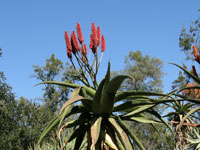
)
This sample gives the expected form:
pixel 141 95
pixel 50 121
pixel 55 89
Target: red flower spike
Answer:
pixel 67 40
pixel 69 53
pixel 94 35
pixel 79 33
pixel 103 44
pixel 98 35
pixel 196 55
pixel 85 48
pixel 194 71
pixel 75 42
pixel 91 42
pixel 72 44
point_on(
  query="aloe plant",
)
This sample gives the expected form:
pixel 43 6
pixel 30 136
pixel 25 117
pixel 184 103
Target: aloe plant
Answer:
pixel 193 139
pixel 100 108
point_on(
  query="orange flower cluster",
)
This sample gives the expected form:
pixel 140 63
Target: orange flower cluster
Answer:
pixel 191 92
pixel 74 47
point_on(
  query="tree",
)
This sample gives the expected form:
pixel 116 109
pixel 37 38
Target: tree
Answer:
pixel 189 38
pixel 147 76
pixel 146 72
pixel 54 69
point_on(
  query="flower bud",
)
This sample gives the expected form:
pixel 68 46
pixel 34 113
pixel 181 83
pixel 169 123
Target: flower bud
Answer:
pixel 103 44
pixel 94 35
pixel 196 55
pixel 79 33
pixel 68 44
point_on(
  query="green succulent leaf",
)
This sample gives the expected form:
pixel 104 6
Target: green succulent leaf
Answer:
pixel 107 78
pixel 157 115
pixel 95 131
pixel 89 91
pixel 51 125
pixel 110 142
pixel 188 114
pixel 127 94
pixel 143 120
pixel 66 112
pixel 80 131
pixel 79 141
pixel 122 135
pixel 96 104
pixel 70 101
pixel 132 135
pixel 131 105
pixel 139 110
pixel 109 93
pixel 188 73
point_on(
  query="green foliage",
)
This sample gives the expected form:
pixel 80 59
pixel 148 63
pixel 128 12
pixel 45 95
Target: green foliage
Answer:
pixel 194 139
pixel 146 72
pixel 189 38
pixel 54 69
pixel 97 124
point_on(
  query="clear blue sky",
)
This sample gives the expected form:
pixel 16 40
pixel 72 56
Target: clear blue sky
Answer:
pixel 30 31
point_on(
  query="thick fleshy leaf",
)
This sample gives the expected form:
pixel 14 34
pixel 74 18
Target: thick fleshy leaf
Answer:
pixel 139 110
pixel 125 95
pixel 79 141
pixel 110 142
pixel 87 104
pixel 49 128
pixel 80 131
pixel 89 91
pixel 157 115
pixel 188 114
pixel 107 77
pixel 81 120
pixel 65 113
pixel 143 120
pixel 131 105
pixel 95 131
pixel 122 135
pixel 132 135
pixel 96 104
pixel 195 78
pixel 109 93
pixel 70 101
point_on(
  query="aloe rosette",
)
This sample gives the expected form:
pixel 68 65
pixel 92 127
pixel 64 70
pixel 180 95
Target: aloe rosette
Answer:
pixel 101 109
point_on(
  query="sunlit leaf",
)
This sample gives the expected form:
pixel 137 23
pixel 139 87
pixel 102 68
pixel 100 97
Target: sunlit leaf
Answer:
pixel 122 135
pixel 109 94
pixel 95 131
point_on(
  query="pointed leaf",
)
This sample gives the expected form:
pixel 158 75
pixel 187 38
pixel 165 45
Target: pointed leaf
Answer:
pixel 107 77
pixel 143 120
pixel 195 78
pixel 76 133
pixel 64 114
pixel 188 114
pixel 109 94
pixel 157 115
pixel 132 135
pixel 131 105
pixel 109 142
pixel 95 131
pixel 139 110
pixel 96 104
pixel 122 135
pixel 125 95
pixel 48 129
pixel 70 101
pixel 89 91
